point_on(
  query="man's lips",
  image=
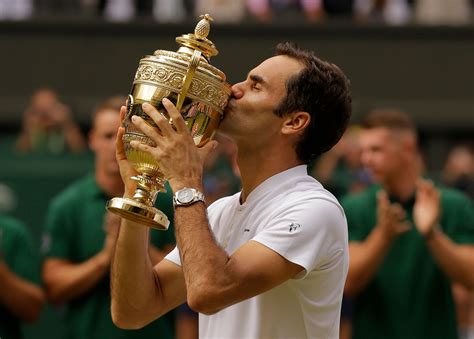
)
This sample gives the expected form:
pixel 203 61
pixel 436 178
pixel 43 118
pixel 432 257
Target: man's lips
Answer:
pixel 230 105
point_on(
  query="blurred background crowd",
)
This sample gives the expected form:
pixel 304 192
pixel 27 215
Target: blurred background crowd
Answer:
pixel 53 145
pixel 393 12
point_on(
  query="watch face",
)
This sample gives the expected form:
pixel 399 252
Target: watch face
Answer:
pixel 185 196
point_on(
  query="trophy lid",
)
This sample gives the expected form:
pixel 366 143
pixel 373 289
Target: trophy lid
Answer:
pixel 186 72
pixel 191 43
pixel 199 40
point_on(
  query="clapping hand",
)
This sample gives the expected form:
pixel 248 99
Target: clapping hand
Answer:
pixel 390 217
pixel 126 169
pixel 427 210
pixel 111 227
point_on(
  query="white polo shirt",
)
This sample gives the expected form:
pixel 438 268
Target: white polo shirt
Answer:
pixel 292 214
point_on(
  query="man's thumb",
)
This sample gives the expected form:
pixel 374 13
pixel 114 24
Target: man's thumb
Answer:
pixel 209 147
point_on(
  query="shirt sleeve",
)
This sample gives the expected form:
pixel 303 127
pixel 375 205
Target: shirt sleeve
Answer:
pixel 458 217
pixel 58 238
pixel 25 261
pixel 310 233
pixel 358 226
pixel 174 257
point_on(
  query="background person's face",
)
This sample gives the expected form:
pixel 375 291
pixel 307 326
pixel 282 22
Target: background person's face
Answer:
pixel 381 153
pixel 102 140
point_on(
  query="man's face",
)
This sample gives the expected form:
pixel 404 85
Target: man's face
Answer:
pixel 102 140
pixel 249 114
pixel 44 104
pixel 382 153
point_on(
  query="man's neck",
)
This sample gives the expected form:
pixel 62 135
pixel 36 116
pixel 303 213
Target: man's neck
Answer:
pixel 403 186
pixel 111 184
pixel 256 167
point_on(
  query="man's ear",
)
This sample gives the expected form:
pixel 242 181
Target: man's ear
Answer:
pixel 407 141
pixel 296 122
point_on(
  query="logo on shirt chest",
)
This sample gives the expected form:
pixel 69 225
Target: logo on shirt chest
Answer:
pixel 294 226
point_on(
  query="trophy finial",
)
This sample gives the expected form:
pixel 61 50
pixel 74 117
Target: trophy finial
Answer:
pixel 203 26
pixel 198 40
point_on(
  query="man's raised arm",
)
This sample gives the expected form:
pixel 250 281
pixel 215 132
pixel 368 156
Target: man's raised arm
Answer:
pixel 140 292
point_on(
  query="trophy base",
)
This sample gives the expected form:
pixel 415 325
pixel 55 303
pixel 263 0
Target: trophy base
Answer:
pixel 139 213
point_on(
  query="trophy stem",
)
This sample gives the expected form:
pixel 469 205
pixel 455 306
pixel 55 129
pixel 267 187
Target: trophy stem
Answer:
pixel 145 197
pixel 141 208
pixel 148 188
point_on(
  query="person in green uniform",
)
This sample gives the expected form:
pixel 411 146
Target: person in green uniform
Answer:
pixel 340 169
pixel 21 297
pixel 80 239
pixel 409 239
pixel 48 127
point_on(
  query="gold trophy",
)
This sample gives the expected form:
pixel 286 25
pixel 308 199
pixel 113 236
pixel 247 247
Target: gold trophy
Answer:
pixel 200 92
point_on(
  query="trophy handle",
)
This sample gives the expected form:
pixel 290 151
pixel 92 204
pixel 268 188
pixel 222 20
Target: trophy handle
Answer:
pixel 193 65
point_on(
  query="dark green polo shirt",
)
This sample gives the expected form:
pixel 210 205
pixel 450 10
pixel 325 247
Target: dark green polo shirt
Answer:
pixel 74 231
pixel 20 255
pixel 409 297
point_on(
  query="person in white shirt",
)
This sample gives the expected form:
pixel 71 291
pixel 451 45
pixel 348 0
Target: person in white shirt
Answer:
pixel 270 261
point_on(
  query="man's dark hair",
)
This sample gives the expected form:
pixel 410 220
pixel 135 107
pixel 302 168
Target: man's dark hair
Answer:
pixel 322 90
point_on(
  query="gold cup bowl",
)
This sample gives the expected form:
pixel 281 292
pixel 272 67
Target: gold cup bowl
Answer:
pixel 200 92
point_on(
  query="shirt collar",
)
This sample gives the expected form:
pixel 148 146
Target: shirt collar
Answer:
pixel 276 180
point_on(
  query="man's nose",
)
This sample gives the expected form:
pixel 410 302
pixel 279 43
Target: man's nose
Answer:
pixel 365 158
pixel 237 91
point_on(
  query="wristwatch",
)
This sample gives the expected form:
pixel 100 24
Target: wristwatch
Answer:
pixel 187 196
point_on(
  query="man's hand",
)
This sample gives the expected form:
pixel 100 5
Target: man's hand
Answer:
pixel 427 209
pixel 111 227
pixel 390 217
pixel 126 169
pixel 179 159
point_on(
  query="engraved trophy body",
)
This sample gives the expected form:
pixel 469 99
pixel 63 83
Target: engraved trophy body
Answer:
pixel 200 92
